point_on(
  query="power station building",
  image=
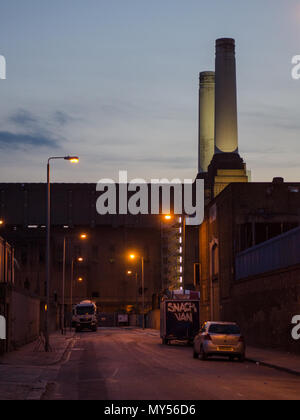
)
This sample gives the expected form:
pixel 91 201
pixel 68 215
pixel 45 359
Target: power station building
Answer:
pixel 248 260
pixel 239 215
pixel 219 161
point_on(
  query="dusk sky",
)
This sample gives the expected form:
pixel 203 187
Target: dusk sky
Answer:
pixel 116 82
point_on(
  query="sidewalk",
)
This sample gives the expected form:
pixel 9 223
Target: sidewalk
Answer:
pixel 276 359
pixel 33 354
pixel 25 373
pixel 280 360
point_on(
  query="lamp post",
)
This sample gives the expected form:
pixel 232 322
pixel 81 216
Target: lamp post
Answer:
pixel 82 236
pixel 80 260
pixel 133 257
pixel 130 273
pixel 72 159
pixel 63 289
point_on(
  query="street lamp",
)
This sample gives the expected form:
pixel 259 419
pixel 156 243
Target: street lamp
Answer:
pixel 79 260
pixel 133 257
pixel 130 273
pixel 1 222
pixel 72 159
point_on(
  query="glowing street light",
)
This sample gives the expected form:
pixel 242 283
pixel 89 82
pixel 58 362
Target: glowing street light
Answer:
pixel 72 159
pixel 133 256
pixel 131 273
pixel 80 279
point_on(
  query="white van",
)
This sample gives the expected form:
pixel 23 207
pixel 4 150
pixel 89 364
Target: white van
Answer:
pixel 85 316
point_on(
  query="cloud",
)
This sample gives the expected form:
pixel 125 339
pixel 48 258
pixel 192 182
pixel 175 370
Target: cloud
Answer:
pixel 10 140
pixel 23 118
pixel 152 161
pixel 28 130
pixel 62 118
pixel 276 117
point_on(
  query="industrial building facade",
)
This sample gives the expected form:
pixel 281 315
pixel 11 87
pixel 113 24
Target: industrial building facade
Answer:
pixel 103 275
pixel 237 221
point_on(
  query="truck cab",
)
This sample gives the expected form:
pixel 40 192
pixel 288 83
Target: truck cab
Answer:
pixel 85 316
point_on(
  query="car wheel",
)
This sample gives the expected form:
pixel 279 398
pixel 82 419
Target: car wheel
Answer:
pixel 195 354
pixel 202 354
pixel 165 342
pixel 242 358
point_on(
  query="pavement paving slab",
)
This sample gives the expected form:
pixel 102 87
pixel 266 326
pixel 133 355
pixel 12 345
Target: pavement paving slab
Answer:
pixel 280 360
pixel 24 372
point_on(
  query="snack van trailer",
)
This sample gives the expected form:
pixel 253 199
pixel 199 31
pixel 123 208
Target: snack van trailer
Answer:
pixel 179 320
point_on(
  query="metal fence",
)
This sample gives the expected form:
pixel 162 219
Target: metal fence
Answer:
pixel 280 252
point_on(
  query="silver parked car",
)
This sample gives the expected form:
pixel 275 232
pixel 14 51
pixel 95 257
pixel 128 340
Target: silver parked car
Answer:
pixel 220 339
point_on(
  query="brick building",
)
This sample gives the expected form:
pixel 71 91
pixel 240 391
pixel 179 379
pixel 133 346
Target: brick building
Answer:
pixel 103 272
pixel 240 217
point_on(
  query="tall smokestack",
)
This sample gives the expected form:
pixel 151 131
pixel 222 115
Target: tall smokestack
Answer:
pixel 206 120
pixel 226 130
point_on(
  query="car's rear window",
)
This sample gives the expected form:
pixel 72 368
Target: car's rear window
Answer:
pixel 224 329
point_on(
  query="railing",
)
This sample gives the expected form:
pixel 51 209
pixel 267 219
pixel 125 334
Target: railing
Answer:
pixel 280 252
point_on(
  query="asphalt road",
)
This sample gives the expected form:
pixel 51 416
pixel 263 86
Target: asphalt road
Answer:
pixel 121 364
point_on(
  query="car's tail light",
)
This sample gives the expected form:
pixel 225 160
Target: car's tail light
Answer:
pixel 241 339
pixel 207 337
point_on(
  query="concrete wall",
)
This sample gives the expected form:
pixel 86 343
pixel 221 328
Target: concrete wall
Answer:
pixel 25 318
pixel 22 313
pixel 264 306
pixel 153 319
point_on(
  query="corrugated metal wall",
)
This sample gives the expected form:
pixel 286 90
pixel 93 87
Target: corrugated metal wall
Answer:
pixel 280 252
